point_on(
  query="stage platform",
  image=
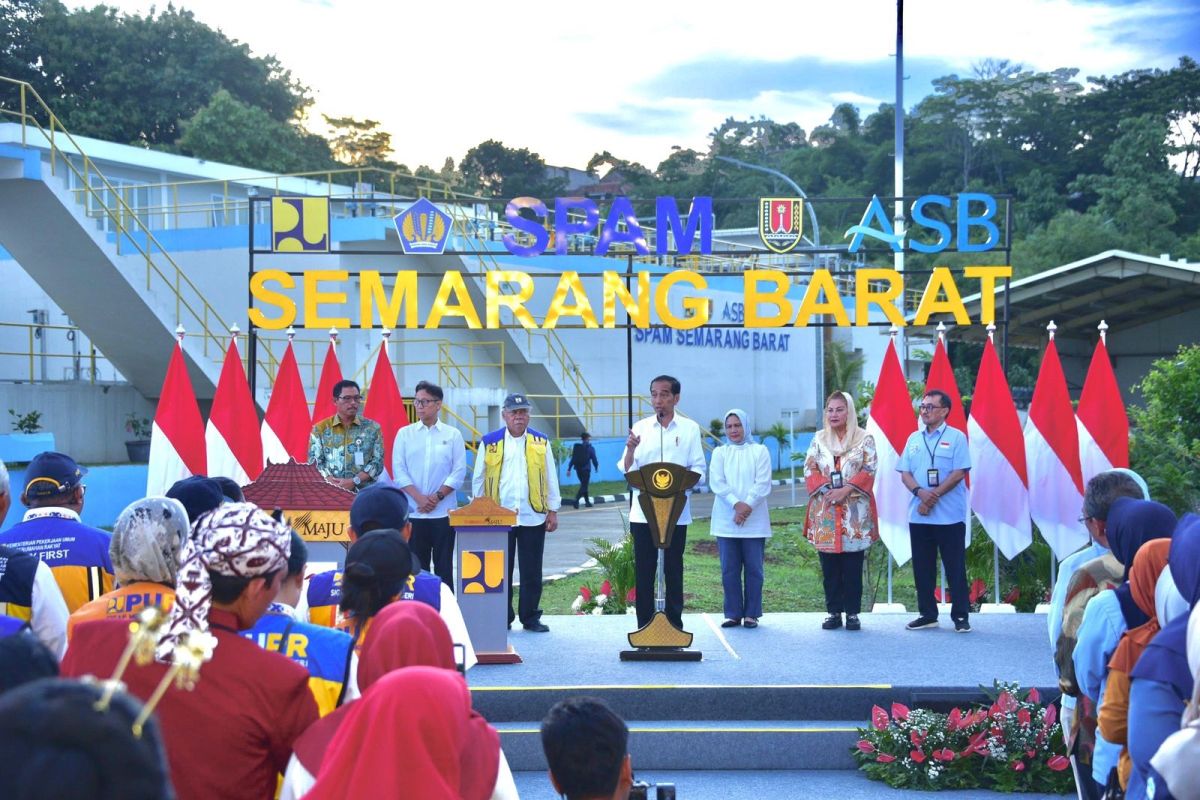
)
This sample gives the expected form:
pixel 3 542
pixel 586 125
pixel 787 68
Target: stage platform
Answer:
pixel 771 706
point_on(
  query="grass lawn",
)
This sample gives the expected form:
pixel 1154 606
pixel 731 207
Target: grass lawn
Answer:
pixel 793 573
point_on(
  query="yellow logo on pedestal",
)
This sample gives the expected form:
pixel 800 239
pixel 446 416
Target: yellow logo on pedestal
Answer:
pixel 662 480
pixel 482 571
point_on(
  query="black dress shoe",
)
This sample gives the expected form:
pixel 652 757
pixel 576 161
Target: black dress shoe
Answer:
pixel 852 623
pixel 832 622
pixel 537 627
pixel 731 623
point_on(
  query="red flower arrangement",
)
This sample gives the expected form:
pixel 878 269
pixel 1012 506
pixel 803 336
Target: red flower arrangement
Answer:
pixel 1011 744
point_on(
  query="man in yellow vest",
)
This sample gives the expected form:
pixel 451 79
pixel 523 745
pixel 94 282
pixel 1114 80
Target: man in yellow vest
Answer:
pixel 515 467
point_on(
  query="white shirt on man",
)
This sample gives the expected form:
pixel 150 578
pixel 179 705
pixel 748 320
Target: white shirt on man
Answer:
pixel 430 457
pixel 678 443
pixel 514 481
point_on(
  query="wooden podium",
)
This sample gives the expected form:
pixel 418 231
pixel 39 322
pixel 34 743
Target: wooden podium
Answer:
pixel 481 530
pixel 663 488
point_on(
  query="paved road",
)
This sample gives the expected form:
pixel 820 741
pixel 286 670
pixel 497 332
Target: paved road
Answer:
pixel 566 547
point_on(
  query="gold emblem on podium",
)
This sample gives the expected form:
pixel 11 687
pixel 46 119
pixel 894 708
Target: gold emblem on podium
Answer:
pixel 663 488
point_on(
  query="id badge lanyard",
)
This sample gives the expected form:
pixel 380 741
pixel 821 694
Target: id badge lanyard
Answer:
pixel 932 478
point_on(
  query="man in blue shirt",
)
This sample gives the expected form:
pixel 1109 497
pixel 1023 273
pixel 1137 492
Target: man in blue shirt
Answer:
pixel 933 465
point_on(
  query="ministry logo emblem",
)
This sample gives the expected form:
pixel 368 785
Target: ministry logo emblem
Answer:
pixel 780 222
pixel 424 229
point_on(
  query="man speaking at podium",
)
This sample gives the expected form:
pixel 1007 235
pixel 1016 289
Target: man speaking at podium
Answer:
pixel 666 436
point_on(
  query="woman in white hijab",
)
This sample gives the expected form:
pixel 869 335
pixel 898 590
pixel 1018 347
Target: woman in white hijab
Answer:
pixel 740 478
pixel 839 472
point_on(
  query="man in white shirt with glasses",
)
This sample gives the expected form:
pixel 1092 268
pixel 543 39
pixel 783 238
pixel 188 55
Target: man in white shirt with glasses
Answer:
pixel 429 464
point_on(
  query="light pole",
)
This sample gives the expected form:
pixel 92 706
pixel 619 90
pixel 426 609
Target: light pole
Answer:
pixel 812 217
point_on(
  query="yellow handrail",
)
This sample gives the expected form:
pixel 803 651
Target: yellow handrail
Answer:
pixel 119 217
pixel 32 354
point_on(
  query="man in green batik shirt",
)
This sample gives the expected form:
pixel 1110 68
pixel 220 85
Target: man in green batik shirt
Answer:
pixel 346 448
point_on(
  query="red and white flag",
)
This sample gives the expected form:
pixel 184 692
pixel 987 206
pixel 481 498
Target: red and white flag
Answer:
pixel 232 435
pixel 331 373
pixel 1103 424
pixel 890 422
pixel 1052 458
pixel 941 376
pixel 385 404
pixel 177 436
pixel 1000 499
pixel 287 424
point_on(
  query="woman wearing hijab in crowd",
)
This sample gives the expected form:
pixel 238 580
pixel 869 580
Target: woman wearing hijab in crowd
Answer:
pixel 1162 680
pixel 740 478
pixel 840 521
pixel 413 734
pixel 1176 765
pixel 1131 524
pixel 401 635
pixel 1147 568
pixel 57 745
pixel 146 542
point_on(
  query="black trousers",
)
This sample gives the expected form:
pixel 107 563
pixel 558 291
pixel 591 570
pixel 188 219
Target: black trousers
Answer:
pixel 927 540
pixel 432 542
pixel 526 542
pixel 645 559
pixel 585 477
pixel 843 576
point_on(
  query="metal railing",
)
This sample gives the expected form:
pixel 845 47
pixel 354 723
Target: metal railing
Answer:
pixel 34 356
pixel 192 310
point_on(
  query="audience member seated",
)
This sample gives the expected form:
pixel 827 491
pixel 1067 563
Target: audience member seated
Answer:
pixel 57 745
pixel 24 659
pixel 51 530
pixel 146 542
pixel 375 508
pixel 29 594
pixel 402 635
pixel 587 749
pixel 324 652
pixel 232 735
pixel 413 734
pixel 198 494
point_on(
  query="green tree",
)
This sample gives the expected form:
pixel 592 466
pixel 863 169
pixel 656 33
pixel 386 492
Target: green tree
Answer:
pixel 236 133
pixel 491 169
pixel 361 143
pixel 133 79
pixel 1165 440
pixel 782 436
pixel 843 368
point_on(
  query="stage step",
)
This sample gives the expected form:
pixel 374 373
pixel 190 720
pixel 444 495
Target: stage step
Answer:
pixel 717 744
pixel 781 784
pixel 684 702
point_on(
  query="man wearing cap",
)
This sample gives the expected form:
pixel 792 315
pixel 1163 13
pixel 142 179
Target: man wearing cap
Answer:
pixel 516 469
pixel 583 458
pixel 232 734
pixel 347 448
pixel 77 554
pixel 429 462
pixel 384 507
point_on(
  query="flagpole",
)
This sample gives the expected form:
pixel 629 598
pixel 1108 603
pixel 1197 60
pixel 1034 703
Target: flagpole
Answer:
pixel 991 334
pixel 1050 328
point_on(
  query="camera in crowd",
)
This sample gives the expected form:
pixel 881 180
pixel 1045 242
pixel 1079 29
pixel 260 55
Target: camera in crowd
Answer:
pixel 641 791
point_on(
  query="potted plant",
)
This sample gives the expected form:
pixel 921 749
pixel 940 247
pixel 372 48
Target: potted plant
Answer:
pixel 27 439
pixel 139 447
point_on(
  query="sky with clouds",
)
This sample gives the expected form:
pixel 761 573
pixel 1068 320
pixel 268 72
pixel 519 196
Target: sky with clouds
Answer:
pixel 637 78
